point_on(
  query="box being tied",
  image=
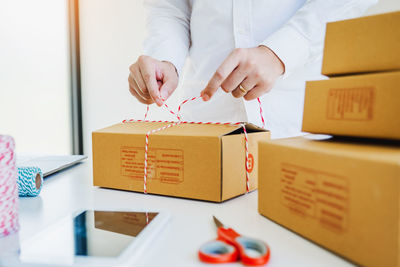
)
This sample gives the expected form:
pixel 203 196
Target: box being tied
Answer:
pixel 201 160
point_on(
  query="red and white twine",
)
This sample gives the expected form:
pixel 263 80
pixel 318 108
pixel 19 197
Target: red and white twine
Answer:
pixel 261 112
pixel 8 187
pixel 180 121
pixel 146 150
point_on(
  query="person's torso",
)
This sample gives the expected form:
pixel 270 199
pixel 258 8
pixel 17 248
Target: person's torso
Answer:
pixel 217 27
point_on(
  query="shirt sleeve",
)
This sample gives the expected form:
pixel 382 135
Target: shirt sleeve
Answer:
pixel 302 38
pixel 168 33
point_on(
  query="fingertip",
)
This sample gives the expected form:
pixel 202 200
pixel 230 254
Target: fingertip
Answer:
pixel 164 95
pixel 249 97
pixel 205 97
pixel 157 99
pixel 225 90
pixel 159 102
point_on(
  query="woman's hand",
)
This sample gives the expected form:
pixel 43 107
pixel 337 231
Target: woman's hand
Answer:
pixel 246 72
pixel 151 80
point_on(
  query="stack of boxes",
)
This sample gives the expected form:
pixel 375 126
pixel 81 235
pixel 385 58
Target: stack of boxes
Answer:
pixel 343 192
pixel 364 99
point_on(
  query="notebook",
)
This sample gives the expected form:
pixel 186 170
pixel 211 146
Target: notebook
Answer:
pixel 50 164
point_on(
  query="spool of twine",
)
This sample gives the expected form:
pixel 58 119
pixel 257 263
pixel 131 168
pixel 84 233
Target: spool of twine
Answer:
pixel 8 187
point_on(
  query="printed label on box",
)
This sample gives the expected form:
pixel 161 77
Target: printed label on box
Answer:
pixel 314 194
pixel 250 163
pixel 350 104
pixel 163 164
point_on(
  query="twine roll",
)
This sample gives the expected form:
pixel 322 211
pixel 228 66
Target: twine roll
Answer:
pixel 8 187
pixel 30 180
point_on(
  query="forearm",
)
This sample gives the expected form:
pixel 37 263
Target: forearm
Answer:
pixel 168 24
pixel 301 38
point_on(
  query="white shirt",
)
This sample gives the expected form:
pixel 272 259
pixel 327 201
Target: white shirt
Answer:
pixel 202 33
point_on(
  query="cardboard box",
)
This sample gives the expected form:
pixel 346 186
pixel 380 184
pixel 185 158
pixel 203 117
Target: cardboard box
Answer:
pixel 360 105
pixel 367 44
pixel 344 196
pixel 204 162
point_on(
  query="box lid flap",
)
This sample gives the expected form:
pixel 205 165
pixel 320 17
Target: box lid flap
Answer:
pixel 368 149
pixel 186 129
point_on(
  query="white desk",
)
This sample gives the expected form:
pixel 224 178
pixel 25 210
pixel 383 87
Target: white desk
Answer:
pixel 190 225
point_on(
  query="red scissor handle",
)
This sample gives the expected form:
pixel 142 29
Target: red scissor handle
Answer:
pixel 227 234
pixel 244 245
pixel 230 247
pixel 217 251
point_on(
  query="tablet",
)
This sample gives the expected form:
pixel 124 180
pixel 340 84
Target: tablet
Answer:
pixel 94 237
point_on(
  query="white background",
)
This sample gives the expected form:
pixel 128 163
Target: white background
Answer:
pixel 34 69
pixel 34 75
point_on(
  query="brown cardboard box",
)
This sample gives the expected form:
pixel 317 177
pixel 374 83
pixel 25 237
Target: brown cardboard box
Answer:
pixel 342 195
pixel 204 162
pixel 361 105
pixel 366 44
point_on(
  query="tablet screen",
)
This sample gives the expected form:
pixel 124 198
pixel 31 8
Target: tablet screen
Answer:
pixel 91 233
pixel 107 233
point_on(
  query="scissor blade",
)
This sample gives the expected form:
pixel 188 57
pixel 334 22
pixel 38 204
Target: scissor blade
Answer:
pixel 217 222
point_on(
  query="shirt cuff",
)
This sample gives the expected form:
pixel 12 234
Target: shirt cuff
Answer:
pixel 290 46
pixel 167 52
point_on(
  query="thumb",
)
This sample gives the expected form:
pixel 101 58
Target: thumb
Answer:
pixel 167 88
pixel 169 81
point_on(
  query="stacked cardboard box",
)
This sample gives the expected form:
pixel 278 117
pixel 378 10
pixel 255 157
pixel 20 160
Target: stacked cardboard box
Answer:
pixel 358 103
pixel 344 192
pixel 362 45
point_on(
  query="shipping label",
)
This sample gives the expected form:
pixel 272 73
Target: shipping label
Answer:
pixel 314 194
pixel 350 104
pixel 165 165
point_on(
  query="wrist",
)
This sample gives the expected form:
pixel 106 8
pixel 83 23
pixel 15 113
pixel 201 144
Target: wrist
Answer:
pixel 170 65
pixel 278 62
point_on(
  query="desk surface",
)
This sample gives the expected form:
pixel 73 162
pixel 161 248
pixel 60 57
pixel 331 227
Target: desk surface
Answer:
pixel 190 225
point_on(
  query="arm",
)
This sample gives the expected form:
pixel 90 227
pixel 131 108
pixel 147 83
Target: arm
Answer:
pixel 302 37
pixel 154 76
pixel 292 46
pixel 168 30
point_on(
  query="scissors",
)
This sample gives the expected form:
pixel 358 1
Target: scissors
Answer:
pixel 230 247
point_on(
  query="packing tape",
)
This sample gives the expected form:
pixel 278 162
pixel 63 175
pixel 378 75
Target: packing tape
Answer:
pixel 30 181
pixel 8 187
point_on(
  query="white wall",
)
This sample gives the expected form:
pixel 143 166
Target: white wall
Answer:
pixel 112 33
pixel 34 75
pixel 384 6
